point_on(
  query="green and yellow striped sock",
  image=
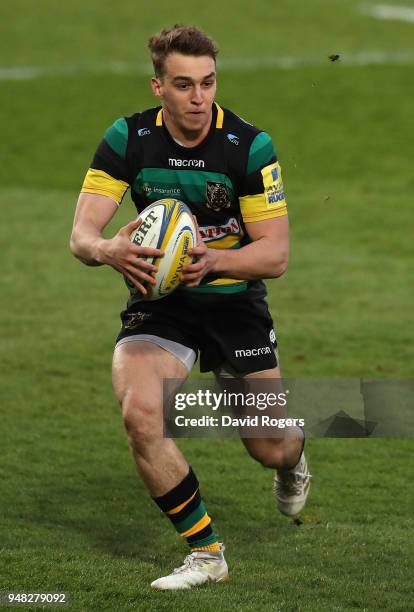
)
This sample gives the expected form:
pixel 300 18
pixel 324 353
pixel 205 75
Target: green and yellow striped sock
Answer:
pixel 184 507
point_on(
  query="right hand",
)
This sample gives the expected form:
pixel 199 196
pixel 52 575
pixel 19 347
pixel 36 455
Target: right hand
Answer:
pixel 127 258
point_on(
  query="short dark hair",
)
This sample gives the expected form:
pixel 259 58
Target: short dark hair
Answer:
pixel 187 40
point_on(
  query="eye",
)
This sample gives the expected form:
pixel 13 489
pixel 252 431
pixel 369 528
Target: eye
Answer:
pixel 208 83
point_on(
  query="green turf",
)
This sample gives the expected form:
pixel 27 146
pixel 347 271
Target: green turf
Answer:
pixel 74 516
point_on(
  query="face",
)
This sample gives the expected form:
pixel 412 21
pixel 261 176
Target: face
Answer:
pixel 187 91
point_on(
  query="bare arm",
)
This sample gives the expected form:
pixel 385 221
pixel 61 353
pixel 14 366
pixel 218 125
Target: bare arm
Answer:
pixel 93 213
pixel 265 257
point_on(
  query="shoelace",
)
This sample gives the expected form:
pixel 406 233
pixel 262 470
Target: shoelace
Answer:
pixel 291 482
pixel 190 562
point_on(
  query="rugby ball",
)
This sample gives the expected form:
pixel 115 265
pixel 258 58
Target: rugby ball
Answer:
pixel 167 225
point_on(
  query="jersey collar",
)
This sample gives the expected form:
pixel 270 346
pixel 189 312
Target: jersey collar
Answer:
pixel 219 117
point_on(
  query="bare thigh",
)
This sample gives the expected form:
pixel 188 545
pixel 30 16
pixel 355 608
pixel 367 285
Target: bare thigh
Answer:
pixel 138 373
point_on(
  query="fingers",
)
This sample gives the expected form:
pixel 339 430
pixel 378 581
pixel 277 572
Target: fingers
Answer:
pixel 193 274
pixel 143 264
pixel 195 268
pixel 130 227
pixel 137 265
pixel 140 265
pixel 138 271
pixel 197 251
pixel 193 283
pixel 199 238
pixel 132 279
pixel 140 251
pixel 139 275
pixel 192 278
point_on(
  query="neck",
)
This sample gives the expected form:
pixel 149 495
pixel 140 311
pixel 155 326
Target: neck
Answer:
pixel 188 138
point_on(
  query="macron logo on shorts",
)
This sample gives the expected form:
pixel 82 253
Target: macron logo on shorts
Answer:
pixel 254 352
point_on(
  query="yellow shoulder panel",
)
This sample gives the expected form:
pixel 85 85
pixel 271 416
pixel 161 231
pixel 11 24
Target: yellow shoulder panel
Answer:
pixel 98 181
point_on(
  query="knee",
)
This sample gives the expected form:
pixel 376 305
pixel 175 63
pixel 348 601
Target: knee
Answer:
pixel 269 453
pixel 139 416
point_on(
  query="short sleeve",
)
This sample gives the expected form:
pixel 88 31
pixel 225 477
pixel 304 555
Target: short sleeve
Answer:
pixel 262 194
pixel 108 174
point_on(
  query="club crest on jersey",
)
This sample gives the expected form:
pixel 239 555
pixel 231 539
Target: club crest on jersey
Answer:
pixel 136 319
pixel 218 196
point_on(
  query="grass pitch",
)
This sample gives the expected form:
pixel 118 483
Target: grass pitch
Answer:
pixel 74 516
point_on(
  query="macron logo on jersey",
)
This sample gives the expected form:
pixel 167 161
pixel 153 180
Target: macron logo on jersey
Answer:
pixel 186 163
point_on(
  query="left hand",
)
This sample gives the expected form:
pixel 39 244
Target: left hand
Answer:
pixel 206 258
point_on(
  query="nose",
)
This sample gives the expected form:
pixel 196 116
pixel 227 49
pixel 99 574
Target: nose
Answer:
pixel 197 97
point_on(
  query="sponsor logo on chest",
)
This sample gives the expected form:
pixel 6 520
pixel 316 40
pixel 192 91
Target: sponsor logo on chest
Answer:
pixel 186 163
pixel 215 232
pixel 165 192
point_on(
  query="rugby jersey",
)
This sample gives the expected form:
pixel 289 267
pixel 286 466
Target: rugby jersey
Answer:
pixel 231 178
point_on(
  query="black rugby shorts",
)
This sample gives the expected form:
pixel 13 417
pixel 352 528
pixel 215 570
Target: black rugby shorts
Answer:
pixel 233 331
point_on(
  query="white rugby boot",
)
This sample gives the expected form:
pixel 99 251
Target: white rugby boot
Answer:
pixel 291 487
pixel 198 568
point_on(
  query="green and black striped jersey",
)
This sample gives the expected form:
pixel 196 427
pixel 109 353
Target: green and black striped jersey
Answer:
pixel 230 179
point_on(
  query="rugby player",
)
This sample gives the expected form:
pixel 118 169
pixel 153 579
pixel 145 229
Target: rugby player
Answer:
pixel 226 171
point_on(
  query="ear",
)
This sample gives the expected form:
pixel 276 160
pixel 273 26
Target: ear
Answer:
pixel 156 86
